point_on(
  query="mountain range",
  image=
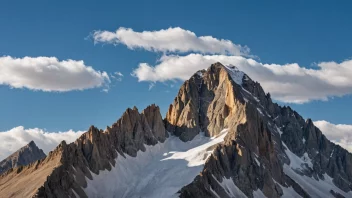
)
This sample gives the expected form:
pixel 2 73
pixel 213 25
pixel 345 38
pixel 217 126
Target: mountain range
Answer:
pixel 222 136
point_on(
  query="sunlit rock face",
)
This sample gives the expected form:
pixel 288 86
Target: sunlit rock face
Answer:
pixel 207 102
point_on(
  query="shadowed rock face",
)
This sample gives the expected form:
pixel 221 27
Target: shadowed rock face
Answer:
pixel 25 155
pixel 258 154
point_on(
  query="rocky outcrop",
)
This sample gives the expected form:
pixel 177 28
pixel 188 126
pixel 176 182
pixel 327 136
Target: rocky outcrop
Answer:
pixel 95 150
pixel 23 156
pixel 153 116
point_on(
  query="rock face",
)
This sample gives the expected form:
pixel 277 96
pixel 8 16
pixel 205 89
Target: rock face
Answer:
pixel 269 150
pixel 207 102
pixel 24 156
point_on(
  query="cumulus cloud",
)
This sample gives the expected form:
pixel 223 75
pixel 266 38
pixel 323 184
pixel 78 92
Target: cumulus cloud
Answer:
pixel 288 83
pixel 18 137
pixel 340 134
pixel 169 40
pixel 49 74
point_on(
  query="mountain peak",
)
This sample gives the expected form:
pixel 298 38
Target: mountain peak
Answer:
pixel 32 144
pixel 219 87
pixel 237 75
pixel 23 156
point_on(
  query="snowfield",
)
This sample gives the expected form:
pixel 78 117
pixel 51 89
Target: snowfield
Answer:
pixel 161 171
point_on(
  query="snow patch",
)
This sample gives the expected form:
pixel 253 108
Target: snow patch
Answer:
pixel 307 160
pixel 258 194
pixel 260 111
pixel 256 159
pixel 288 192
pixel 200 74
pixel 230 188
pixel 255 98
pixel 332 152
pixel 278 130
pixel 214 193
pixel 161 171
pixel 296 162
pixel 235 74
pixel 74 192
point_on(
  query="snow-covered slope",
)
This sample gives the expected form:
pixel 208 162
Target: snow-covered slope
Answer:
pixel 236 75
pixel 160 171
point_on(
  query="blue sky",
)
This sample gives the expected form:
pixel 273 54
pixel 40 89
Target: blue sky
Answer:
pixel 278 32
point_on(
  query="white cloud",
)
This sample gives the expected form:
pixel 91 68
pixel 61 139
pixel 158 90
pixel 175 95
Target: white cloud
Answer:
pixel 18 137
pixel 169 40
pixel 49 74
pixel 288 83
pixel 340 134
pixel 117 76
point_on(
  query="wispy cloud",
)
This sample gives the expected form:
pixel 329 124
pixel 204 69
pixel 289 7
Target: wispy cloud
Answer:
pixel 117 76
pixel 17 137
pixel 169 40
pixel 49 74
pixel 151 85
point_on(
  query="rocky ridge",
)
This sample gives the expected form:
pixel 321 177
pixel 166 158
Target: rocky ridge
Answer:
pixel 95 150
